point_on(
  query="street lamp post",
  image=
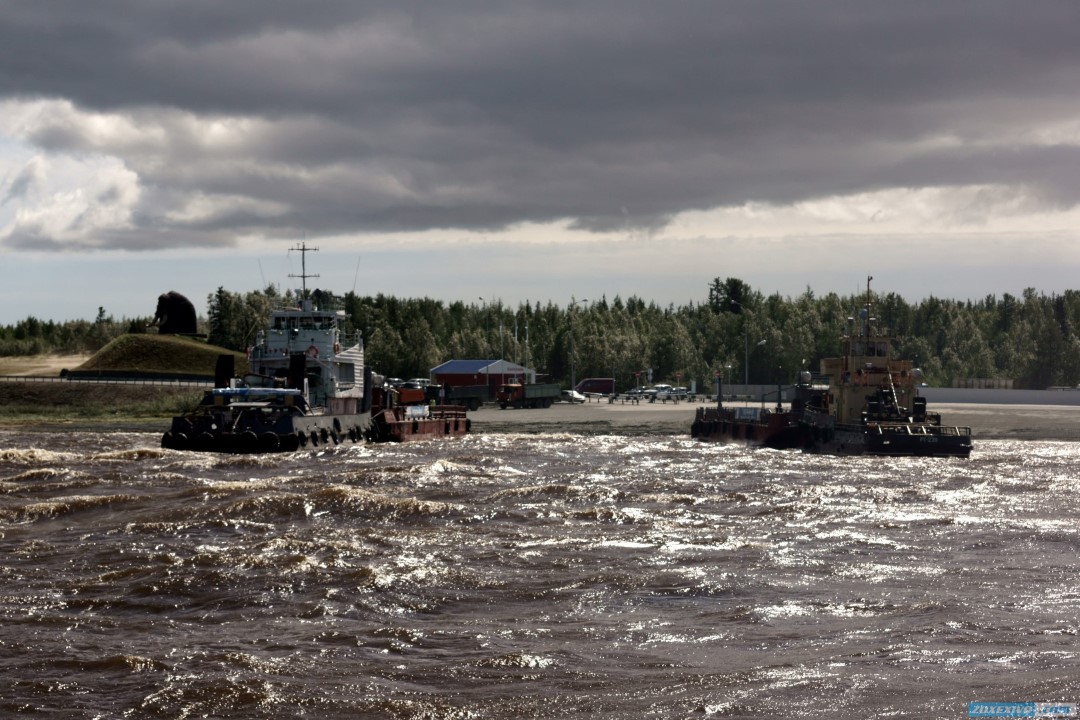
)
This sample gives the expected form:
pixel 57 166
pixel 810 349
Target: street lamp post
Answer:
pixel 483 327
pixel 746 341
pixel 759 344
pixel 746 354
pixel 573 303
pixel 487 363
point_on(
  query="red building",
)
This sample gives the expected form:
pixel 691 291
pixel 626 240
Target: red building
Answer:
pixel 493 373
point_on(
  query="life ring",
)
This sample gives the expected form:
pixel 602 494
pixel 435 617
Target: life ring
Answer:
pixel 313 351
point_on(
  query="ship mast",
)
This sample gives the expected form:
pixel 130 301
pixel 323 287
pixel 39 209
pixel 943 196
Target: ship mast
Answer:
pixel 303 249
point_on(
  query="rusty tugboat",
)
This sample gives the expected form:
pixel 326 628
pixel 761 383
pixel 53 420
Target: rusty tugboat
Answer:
pixel 306 390
pixel 863 403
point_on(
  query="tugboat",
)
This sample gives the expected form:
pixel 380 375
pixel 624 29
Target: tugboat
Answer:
pixel 304 390
pixel 868 406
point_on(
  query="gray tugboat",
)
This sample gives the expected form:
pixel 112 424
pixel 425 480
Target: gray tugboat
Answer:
pixel 304 390
pixel 308 387
pixel 865 402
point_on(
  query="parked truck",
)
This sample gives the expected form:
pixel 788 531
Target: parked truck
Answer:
pixel 471 396
pixel 596 386
pixel 537 395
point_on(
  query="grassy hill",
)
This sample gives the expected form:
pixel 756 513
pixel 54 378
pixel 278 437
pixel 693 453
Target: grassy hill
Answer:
pixel 151 356
pixel 159 355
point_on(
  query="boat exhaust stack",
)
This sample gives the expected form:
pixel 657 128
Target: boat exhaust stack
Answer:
pixel 224 370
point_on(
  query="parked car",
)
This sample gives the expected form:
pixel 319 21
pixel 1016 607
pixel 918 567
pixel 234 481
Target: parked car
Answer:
pixel 667 392
pixel 572 396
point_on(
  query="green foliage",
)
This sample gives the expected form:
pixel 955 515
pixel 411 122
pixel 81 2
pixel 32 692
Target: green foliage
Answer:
pixel 36 337
pixel 235 318
pixel 1033 339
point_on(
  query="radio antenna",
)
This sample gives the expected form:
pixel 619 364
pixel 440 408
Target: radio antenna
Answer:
pixel 303 249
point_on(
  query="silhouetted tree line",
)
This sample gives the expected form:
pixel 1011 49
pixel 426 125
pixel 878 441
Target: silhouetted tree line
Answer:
pixel 737 331
pixel 33 336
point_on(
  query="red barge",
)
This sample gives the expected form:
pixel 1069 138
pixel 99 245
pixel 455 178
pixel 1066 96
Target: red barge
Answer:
pixel 399 418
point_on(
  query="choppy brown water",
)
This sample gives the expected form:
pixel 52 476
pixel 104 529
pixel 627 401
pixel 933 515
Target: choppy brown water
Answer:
pixel 533 576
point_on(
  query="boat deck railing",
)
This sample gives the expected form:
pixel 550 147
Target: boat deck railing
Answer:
pixel 958 430
pixel 429 412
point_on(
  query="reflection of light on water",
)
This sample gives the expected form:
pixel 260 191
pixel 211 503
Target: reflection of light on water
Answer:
pixel 608 576
pixel 881 573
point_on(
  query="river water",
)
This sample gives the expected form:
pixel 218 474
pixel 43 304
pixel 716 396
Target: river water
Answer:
pixel 533 576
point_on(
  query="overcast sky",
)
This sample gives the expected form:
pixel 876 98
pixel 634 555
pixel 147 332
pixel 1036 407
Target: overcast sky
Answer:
pixel 537 151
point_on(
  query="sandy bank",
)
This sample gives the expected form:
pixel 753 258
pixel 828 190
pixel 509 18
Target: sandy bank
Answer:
pixel 39 365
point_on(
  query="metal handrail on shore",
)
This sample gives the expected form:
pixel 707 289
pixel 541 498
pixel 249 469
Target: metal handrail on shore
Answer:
pixel 163 382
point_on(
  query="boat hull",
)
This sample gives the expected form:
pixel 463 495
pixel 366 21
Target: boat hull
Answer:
pixel 793 431
pixel 911 440
pixel 779 431
pixel 287 434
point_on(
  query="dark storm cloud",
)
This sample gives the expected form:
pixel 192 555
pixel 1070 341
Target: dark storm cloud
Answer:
pixel 351 116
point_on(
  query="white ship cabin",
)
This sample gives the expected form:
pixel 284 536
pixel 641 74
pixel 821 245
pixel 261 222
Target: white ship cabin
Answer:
pixel 304 329
pixel 334 369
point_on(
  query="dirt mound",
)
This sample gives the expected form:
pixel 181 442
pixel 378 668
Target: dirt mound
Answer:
pixel 158 355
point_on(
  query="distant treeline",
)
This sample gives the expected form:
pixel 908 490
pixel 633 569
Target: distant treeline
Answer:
pixel 736 331
pixel 33 336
